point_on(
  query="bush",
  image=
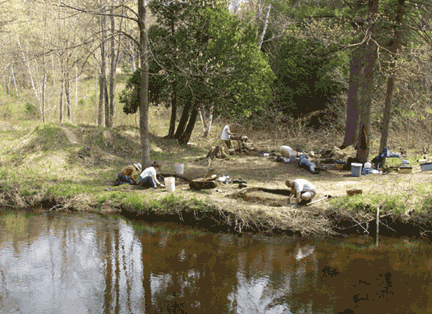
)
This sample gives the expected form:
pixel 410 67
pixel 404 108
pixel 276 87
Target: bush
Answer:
pixel 31 111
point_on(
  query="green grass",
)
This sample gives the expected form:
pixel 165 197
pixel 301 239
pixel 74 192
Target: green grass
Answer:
pixel 69 190
pixel 370 203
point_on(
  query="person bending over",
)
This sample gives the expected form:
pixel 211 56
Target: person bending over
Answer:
pixel 148 176
pixel 302 190
pixel 127 174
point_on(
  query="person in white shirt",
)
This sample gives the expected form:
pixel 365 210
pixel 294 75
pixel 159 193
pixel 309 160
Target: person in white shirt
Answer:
pixel 286 151
pixel 301 189
pixel 148 176
pixel 226 135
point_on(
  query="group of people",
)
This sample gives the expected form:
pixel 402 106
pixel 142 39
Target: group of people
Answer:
pixel 147 177
pixel 301 189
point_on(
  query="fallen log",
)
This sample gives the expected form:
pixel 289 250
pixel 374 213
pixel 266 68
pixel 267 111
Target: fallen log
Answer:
pixel 202 185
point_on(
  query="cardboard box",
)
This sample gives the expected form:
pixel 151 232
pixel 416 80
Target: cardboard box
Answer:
pixel 405 169
pixel 426 166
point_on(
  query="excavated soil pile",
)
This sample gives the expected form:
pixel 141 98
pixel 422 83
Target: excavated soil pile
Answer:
pixel 269 197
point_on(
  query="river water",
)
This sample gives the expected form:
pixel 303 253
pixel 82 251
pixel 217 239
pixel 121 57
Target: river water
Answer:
pixel 88 263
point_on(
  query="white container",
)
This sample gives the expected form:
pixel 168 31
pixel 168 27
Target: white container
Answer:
pixel 426 166
pixel 356 169
pixel 266 154
pixel 367 168
pixel 179 168
pixel 170 184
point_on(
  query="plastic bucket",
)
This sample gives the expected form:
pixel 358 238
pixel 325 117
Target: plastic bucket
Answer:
pixel 170 184
pixel 356 169
pixel 179 168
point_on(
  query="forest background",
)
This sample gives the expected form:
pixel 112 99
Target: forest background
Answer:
pixel 359 69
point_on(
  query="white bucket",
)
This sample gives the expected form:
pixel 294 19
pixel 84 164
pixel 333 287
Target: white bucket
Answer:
pixel 356 169
pixel 170 184
pixel 179 168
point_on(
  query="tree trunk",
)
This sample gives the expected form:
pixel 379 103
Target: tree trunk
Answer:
pixel 352 118
pixel 14 80
pixel 112 82
pixel 173 110
pixel 390 80
pixel 76 87
pixel 264 27
pixel 103 70
pixel 61 98
pixel 209 122
pixel 185 137
pixel 43 98
pixel 367 87
pixel 183 120
pixel 27 62
pixel 143 93
pixel 96 100
pixel 206 126
pixel 67 94
pixel 174 94
pixel 101 116
pixel 203 123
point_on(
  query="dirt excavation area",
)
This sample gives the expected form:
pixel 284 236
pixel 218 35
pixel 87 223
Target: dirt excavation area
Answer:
pixel 265 180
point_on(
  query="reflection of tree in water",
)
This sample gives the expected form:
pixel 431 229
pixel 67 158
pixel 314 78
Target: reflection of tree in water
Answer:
pixel 273 287
pixel 198 274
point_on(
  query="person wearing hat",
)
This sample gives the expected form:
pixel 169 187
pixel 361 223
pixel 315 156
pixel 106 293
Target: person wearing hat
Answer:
pixel 302 190
pixel 127 174
pixel 148 176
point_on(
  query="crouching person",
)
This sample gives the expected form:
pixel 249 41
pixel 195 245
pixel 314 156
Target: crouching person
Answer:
pixel 127 174
pixel 148 176
pixel 302 190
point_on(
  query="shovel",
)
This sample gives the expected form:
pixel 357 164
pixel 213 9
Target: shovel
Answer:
pixel 321 199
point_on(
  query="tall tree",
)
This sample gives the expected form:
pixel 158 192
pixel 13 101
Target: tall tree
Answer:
pixel 356 66
pixel 218 64
pixel 144 86
pixel 370 57
pixel 394 45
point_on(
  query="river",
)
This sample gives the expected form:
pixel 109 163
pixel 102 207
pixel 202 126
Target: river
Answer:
pixel 89 263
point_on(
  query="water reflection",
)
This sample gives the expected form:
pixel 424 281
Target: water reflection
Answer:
pixel 84 263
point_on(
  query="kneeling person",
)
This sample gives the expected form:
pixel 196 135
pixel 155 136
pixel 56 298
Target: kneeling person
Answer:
pixel 127 174
pixel 148 176
pixel 302 189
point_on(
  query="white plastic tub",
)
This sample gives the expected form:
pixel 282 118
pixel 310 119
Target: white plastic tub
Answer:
pixel 356 169
pixel 179 168
pixel 426 166
pixel 170 184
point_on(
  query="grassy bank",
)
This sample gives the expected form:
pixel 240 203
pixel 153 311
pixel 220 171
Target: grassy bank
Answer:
pixel 72 167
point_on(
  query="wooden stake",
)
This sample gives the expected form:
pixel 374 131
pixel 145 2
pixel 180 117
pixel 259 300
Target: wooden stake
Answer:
pixel 377 227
